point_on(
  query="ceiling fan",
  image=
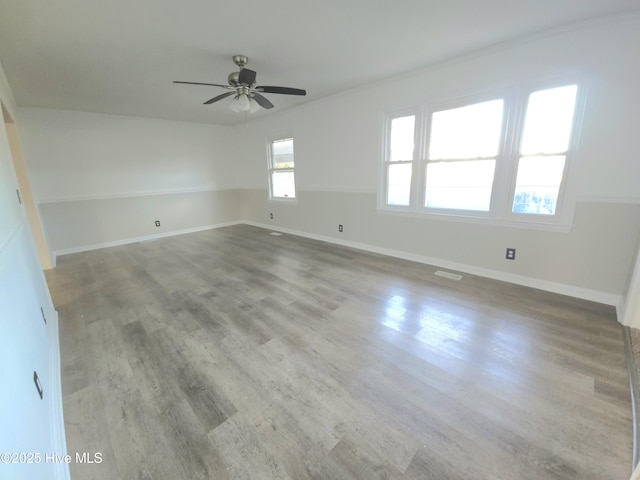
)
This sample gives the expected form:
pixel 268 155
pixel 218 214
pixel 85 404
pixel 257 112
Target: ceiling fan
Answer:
pixel 242 85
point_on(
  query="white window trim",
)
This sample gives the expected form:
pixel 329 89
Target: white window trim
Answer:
pixel 386 148
pixel 500 213
pixel 270 169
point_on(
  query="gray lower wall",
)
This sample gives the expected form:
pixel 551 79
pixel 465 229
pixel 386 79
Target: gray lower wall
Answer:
pixel 597 254
pixel 83 224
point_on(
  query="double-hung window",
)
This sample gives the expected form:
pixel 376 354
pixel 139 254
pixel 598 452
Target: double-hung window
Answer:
pixel 502 157
pixel 464 143
pixel 401 159
pixel 282 183
pixel 542 156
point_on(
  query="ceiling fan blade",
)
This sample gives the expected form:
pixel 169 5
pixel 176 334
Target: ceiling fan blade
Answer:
pixel 282 90
pixel 207 84
pixel 247 77
pixel 262 101
pixel 219 97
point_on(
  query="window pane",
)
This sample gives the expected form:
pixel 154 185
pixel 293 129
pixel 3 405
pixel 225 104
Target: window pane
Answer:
pixel 402 136
pixel 399 184
pixel 282 153
pixel 547 126
pixel 460 185
pixel 283 184
pixel 538 184
pixel 468 132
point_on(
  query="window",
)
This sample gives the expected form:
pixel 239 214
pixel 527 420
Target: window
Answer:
pixel 463 145
pixel 502 157
pixel 543 150
pixel 282 182
pixel 401 158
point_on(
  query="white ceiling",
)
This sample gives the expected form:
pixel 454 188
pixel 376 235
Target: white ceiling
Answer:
pixel 120 56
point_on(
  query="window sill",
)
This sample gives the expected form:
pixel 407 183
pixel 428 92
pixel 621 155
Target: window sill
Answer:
pixel 291 201
pixel 470 219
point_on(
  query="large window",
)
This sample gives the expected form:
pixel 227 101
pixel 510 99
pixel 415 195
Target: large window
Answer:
pixel 282 183
pixel 463 145
pixel 500 157
pixel 543 151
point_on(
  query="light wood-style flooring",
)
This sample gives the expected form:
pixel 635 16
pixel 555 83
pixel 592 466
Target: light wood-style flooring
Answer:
pixel 235 354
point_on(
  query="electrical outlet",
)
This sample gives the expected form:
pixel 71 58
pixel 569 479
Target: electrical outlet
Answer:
pixel 340 229
pixel 271 216
pixel 157 223
pixel 511 254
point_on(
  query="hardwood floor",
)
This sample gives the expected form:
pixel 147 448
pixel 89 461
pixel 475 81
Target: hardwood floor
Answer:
pixel 235 354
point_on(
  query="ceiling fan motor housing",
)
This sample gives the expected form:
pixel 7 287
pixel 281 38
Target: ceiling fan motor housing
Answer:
pixel 240 60
pixel 233 78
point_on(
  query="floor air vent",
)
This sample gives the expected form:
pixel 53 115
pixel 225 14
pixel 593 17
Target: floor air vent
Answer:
pixel 452 276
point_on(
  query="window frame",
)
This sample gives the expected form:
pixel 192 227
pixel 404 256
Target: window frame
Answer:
pixel 417 142
pixel 271 168
pixel 504 181
pixel 565 203
pixel 450 104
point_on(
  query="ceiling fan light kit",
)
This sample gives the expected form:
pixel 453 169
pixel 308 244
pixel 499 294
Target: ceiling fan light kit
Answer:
pixel 244 103
pixel 247 96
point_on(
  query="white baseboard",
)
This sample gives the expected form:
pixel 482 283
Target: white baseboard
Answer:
pixel 554 287
pixel 146 238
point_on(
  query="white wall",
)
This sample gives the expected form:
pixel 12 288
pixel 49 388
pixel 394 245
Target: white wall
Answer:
pixel 27 344
pixel 78 155
pixel 102 179
pixel 338 140
pixel 26 193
